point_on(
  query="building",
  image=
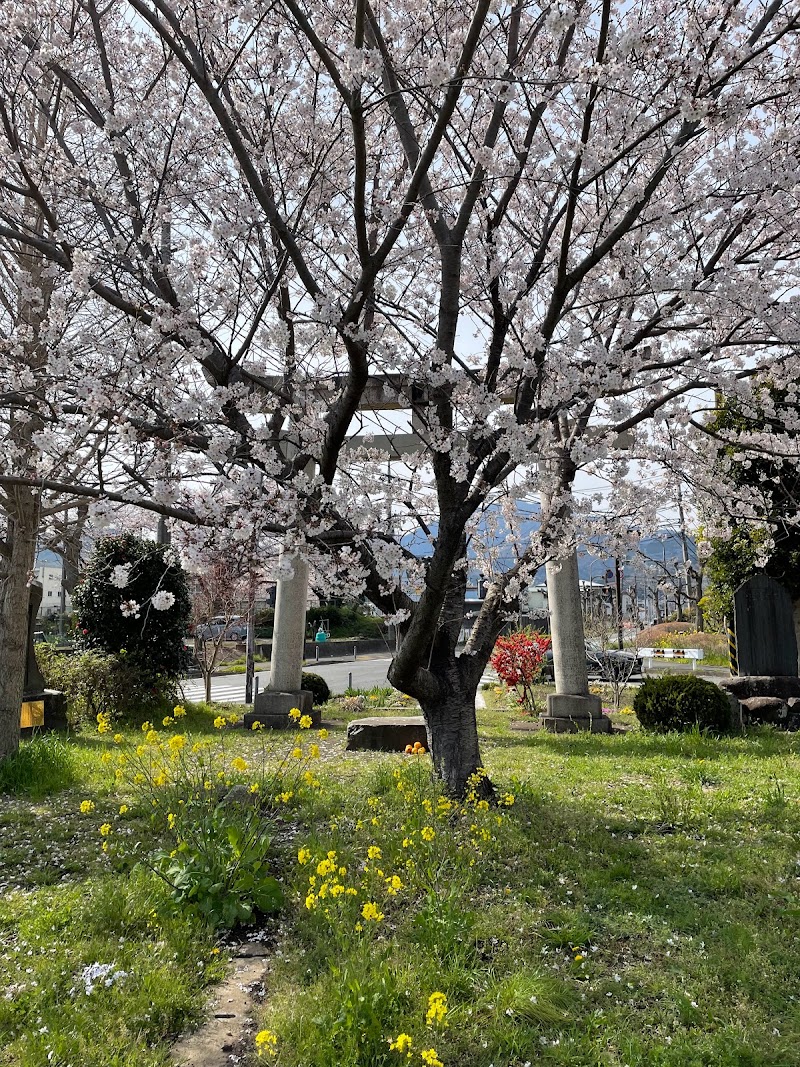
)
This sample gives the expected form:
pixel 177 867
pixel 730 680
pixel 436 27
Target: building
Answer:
pixel 48 571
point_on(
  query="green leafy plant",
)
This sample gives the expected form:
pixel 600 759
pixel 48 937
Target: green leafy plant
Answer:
pixel 318 686
pixel 679 702
pixel 101 683
pixel 213 812
pixel 221 864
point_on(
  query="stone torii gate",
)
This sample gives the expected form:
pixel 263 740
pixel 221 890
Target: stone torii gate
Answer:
pixel 572 707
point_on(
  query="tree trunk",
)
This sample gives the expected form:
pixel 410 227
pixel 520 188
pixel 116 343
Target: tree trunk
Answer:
pixel 14 595
pixel 452 730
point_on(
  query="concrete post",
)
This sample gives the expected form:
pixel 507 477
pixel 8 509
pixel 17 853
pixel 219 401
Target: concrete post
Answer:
pixel 289 633
pixel 284 690
pixel 572 707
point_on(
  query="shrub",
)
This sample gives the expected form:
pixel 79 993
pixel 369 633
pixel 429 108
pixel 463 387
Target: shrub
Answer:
pixel 99 683
pixel 133 597
pixel 318 686
pixel 518 660
pixel 679 702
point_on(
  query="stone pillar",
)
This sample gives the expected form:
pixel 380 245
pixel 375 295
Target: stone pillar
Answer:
pixel 284 690
pixel 572 707
pixel 289 633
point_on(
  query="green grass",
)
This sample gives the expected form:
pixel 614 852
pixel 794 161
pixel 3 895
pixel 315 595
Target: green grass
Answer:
pixel 638 904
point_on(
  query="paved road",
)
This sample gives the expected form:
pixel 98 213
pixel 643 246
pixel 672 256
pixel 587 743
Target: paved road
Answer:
pixel 365 674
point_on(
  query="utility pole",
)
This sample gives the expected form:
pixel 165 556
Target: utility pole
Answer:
pixel 618 592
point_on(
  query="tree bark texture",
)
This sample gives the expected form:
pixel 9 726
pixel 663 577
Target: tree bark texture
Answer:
pixel 14 594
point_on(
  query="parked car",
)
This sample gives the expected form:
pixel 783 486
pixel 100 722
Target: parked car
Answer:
pixel 602 662
pixel 235 628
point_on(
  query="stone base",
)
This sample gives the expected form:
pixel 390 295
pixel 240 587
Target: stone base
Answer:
pixel 385 734
pixel 570 714
pixel 272 709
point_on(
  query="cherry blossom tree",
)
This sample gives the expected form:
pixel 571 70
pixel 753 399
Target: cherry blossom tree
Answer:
pixel 526 228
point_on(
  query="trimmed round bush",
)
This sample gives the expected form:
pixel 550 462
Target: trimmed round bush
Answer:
pixel 133 600
pixel 679 702
pixel 318 686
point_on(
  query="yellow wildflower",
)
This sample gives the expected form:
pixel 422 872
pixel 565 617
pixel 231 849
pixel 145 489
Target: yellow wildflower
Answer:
pixel 105 829
pixel 266 1042
pixel 304 855
pixel 257 725
pixel 429 1057
pixel 118 739
pixel 179 711
pixel 370 912
pixel 427 833
pixel 146 727
pixel 219 722
pixel 103 723
pixel 294 713
pixel 177 742
pixel 402 1043
pixel 123 809
pixel 151 737
pixel 437 1009
pixel 87 806
pixel 322 734
pixel 297 753
pixel 239 764
pixel 254 788
pixel 374 852
pixel 313 751
pixel 167 720
pixel 305 722
pixel 394 885
pixel 311 901
pixel 171 820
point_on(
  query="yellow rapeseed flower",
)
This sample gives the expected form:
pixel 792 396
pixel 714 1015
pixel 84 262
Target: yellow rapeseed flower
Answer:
pixel 429 1057
pixel 167 720
pixel 402 1043
pixel 427 833
pixel 146 727
pixel 118 739
pixel 322 734
pixel 177 742
pixel 374 852
pixel 171 820
pixel 313 751
pixel 87 806
pixel 304 855
pixel 297 753
pixel 254 788
pixel 305 722
pixel 103 723
pixel 239 764
pixel 266 1042
pixel 123 809
pixel 219 722
pixel 294 713
pixel 105 829
pixel 437 1009
pixel 370 912
pixel 179 711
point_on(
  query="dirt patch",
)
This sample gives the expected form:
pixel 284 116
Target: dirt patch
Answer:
pixel 227 1035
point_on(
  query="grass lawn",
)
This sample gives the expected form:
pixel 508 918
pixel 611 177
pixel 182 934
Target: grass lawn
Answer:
pixel 634 900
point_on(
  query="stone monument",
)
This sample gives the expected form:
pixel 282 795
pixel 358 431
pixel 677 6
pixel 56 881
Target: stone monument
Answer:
pixel 767 686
